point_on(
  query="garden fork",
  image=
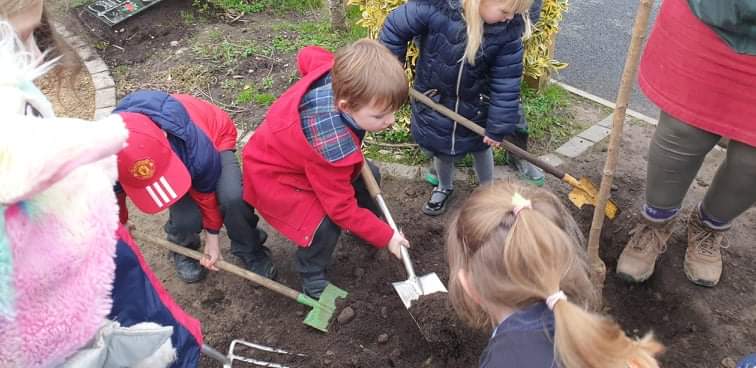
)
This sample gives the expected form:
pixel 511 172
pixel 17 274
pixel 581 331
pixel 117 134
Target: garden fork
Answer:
pixel 229 359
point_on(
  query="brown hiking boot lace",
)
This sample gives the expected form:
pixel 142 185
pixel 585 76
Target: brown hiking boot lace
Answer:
pixel 657 234
pixel 706 241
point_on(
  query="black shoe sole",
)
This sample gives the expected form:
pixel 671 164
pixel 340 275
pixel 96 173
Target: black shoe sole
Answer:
pixel 202 276
pixel 192 281
pixel 431 212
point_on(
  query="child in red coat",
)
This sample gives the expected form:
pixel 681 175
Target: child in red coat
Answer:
pixel 302 165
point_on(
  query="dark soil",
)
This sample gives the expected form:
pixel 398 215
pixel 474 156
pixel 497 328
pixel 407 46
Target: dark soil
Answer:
pixel 162 49
pixel 699 326
pixel 136 39
pixel 231 308
pixel 440 325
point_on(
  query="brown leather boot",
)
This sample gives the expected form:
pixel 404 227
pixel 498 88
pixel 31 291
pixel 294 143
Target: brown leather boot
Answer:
pixel 703 258
pixel 648 241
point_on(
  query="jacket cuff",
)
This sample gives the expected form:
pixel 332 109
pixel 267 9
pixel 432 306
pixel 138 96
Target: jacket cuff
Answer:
pixel 383 237
pixel 212 231
pixel 497 137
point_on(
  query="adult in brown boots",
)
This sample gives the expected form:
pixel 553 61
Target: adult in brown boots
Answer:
pixel 699 67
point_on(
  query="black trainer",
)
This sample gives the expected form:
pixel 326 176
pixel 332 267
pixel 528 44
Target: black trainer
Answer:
pixel 436 205
pixel 264 267
pixel 261 265
pixel 188 270
pixel 313 284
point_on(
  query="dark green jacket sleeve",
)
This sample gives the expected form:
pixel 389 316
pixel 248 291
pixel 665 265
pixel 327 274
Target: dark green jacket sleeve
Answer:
pixel 733 20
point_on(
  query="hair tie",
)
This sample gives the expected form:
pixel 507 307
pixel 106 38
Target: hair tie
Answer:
pixel 552 299
pixel 520 203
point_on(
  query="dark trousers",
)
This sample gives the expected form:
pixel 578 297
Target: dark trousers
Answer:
pixel 185 219
pixel 675 155
pixel 520 135
pixel 317 257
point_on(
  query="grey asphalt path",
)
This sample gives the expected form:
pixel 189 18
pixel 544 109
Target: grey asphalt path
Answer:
pixel 593 39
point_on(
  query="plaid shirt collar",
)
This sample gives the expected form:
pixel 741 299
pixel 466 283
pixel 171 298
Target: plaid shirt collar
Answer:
pixel 326 128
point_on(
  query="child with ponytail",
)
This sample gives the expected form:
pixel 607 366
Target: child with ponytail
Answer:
pixel 516 264
pixel 471 62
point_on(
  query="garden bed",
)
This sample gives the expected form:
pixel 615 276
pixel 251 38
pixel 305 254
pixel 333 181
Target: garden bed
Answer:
pixel 241 62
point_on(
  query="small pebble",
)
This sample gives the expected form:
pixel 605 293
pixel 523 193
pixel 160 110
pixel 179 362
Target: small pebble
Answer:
pixel 346 315
pixel 615 188
pixel 330 353
pixel 382 256
pixel 383 338
pixel 728 363
pixel 174 43
pixel 359 272
pixel 271 340
pixel 384 312
pixel 327 361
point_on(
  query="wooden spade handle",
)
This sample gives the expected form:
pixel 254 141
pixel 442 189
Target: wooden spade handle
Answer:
pixel 372 185
pixel 223 265
pixel 482 132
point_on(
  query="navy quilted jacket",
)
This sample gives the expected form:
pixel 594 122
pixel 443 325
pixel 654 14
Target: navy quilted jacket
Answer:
pixel 487 93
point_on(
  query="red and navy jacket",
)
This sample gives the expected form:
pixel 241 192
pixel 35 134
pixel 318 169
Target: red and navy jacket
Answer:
pixel 138 296
pixel 198 132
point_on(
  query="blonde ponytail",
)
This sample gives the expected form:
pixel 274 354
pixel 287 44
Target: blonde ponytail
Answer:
pixel 475 24
pixel 518 246
pixel 586 340
pixel 474 29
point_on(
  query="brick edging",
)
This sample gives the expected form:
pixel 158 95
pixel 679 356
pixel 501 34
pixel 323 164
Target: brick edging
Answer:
pixel 104 86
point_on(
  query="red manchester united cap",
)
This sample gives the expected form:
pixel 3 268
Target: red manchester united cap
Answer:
pixel 151 174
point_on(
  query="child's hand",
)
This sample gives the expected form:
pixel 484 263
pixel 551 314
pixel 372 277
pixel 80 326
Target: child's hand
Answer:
pixel 212 252
pixel 396 243
pixel 491 142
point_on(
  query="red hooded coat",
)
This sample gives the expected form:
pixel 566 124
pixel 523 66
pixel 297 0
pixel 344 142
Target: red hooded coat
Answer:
pixel 290 184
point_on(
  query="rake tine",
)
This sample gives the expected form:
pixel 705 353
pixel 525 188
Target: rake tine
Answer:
pixel 264 348
pixel 259 363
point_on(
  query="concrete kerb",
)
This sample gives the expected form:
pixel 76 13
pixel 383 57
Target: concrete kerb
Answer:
pixel 104 86
pixel 605 102
pixel 598 131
